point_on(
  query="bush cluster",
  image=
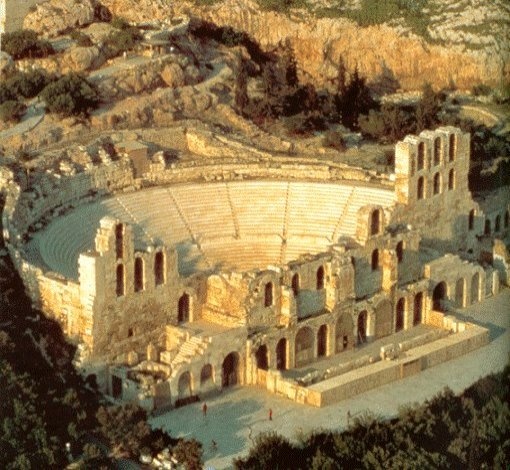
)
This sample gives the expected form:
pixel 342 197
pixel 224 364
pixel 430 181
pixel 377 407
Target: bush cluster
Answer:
pixel 25 44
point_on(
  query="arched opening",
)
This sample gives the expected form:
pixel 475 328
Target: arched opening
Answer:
pixel 183 308
pixel 281 354
pixel 159 268
pixel 184 385
pixel 451 179
pixel 119 240
pixel 399 321
pixel 383 319
pixel 295 284
pixel 120 284
pixel 268 294
pixel 507 219
pixel 438 296
pixel 418 307
pixel 139 284
pixel 453 147
pixel 421 156
pixel 471 220
pixel 322 341
pixel 206 375
pixel 320 278
pixel 303 346
pixel 262 357
pixel 437 151
pixel 362 327
pixel 375 222
pixel 487 227
pixel 459 292
pixel 497 224
pixel 400 251
pixel 375 260
pixel 437 183
pixel 420 191
pixel 475 288
pixel 230 370
pixel 344 331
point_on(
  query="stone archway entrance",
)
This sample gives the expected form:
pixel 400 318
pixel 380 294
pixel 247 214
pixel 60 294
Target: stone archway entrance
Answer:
pixel 304 346
pixel 362 327
pixel 399 322
pixel 322 341
pixel 418 305
pixel 438 296
pixel 459 292
pixel 262 357
pixel 184 385
pixel 230 370
pixel 383 319
pixel 183 309
pixel 281 354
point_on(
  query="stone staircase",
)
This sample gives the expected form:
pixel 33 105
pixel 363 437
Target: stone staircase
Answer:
pixel 185 347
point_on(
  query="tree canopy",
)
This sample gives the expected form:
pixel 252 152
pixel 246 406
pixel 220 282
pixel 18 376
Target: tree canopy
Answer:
pixel 25 43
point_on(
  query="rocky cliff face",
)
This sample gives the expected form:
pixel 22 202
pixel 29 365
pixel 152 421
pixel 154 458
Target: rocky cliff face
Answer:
pixel 319 42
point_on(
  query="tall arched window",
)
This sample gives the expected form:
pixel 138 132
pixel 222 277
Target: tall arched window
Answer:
pixel 487 228
pixel 400 251
pixel 399 321
pixel 119 240
pixel 268 294
pixel 119 290
pixel 159 268
pixel 375 222
pixel 420 190
pixel 471 220
pixel 497 223
pixel 139 274
pixel 320 278
pixel 453 147
pixel 421 156
pixel 183 308
pixel 451 179
pixel 375 259
pixel 437 183
pixel 295 284
pixel 437 151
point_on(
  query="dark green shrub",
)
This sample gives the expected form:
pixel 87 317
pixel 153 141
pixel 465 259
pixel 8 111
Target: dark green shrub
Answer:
pixel 81 39
pixel 71 95
pixel 334 139
pixel 25 43
pixel 29 84
pixel 122 40
pixel 12 111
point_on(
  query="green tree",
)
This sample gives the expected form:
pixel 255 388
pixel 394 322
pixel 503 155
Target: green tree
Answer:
pixel 25 43
pixel 70 95
pixel 356 100
pixel 269 451
pixel 189 452
pixel 11 111
pixel 427 109
pixel 125 428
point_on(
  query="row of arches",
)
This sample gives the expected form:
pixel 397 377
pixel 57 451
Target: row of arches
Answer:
pixel 231 370
pixel 497 223
pixel 437 184
pixel 139 274
pixel 438 151
pixel 440 293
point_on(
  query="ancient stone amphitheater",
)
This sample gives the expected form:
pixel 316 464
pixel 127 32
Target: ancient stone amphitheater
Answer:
pixel 314 281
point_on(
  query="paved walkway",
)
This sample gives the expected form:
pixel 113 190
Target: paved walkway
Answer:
pixel 235 417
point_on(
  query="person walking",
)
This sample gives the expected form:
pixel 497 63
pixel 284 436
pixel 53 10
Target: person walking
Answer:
pixel 204 409
pixel 270 414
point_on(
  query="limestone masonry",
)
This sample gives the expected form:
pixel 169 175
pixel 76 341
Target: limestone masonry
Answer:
pixel 177 280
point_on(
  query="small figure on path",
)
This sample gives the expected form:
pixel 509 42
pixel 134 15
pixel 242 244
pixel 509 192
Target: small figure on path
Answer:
pixel 214 445
pixel 204 409
pixel 270 414
pixel 348 417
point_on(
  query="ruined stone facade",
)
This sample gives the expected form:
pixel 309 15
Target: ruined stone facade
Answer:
pixel 267 285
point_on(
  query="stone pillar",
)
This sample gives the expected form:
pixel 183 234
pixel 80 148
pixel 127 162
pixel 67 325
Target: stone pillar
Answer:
pixel 389 270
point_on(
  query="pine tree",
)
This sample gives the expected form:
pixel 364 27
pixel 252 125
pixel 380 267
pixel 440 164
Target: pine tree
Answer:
pixel 241 97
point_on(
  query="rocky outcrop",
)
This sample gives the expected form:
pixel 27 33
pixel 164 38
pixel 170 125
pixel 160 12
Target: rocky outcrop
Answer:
pixel 56 16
